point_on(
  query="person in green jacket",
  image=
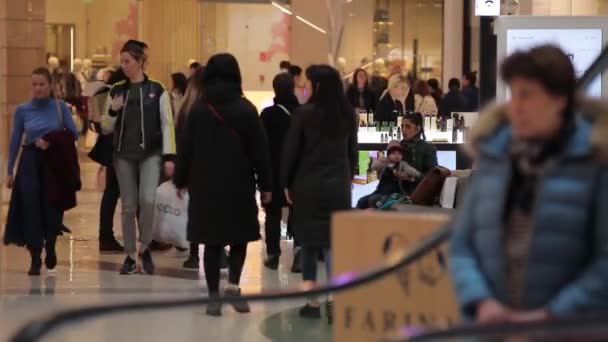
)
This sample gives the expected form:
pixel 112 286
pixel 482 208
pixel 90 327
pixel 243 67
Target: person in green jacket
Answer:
pixel 419 153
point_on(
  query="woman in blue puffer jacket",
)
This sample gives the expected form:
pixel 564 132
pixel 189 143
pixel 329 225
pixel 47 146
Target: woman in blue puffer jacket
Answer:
pixel 531 240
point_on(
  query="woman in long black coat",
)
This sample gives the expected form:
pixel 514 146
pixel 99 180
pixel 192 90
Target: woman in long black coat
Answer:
pixel 318 167
pixel 222 156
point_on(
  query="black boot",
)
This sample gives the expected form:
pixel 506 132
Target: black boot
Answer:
pixel 224 260
pixel 110 245
pixel 296 267
pixel 193 261
pixel 36 264
pixel 50 260
pixel 329 307
pixel 272 262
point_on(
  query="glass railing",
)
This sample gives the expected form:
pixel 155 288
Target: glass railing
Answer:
pixel 415 270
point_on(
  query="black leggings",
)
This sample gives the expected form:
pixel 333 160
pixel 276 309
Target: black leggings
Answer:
pixel 211 262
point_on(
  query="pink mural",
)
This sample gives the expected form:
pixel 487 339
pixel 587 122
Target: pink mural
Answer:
pixel 126 28
pixel 281 38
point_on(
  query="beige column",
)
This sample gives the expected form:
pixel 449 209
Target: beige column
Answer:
pixel 452 39
pixel 309 45
pixel 172 30
pixel 22 48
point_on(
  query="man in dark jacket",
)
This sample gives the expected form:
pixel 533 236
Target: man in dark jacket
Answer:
pixel 276 120
pixel 470 91
pixel 453 101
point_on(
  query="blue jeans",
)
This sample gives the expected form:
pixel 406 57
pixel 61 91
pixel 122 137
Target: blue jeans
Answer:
pixel 309 262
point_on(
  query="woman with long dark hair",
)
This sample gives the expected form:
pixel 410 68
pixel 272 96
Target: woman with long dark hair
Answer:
pixel 178 90
pixel 359 93
pixel 139 111
pixel 223 208
pixel 319 162
pixel 34 221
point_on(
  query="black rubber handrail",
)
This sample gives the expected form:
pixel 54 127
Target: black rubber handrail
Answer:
pixel 575 325
pixel 35 330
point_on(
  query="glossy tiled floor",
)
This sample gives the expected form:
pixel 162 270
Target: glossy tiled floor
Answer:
pixel 84 277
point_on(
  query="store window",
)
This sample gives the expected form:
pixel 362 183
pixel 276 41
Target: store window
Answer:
pixel 392 36
pixel 60 41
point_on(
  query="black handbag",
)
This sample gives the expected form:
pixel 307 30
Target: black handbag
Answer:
pixel 102 152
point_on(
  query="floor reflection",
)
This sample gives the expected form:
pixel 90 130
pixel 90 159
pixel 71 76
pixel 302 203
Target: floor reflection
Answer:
pixel 289 326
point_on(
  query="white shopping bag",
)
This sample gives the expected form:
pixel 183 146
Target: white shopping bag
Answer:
pixel 448 193
pixel 171 216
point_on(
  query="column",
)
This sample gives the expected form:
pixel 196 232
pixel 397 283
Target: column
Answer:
pixel 310 44
pixel 172 30
pixel 452 39
pixel 22 48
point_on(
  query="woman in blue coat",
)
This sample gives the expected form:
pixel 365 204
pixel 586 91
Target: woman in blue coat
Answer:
pixel 33 220
pixel 531 240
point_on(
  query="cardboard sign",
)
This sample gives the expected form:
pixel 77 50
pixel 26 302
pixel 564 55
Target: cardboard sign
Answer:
pixel 418 296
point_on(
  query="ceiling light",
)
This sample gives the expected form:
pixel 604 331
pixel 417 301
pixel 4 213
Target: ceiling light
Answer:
pixel 311 24
pixel 282 8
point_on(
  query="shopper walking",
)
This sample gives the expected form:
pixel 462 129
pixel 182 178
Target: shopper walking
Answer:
pixel 139 112
pixel 276 120
pixel 178 90
pixel 34 220
pixel 102 153
pixel 529 242
pixel 470 91
pixel 425 103
pixel 453 101
pixel 319 162
pixel 360 94
pixel 223 208
pixel 436 91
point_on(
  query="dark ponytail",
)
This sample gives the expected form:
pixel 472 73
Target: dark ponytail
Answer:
pixel 418 120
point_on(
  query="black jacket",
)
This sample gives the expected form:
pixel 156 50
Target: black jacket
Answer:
pixel 276 121
pixel 378 85
pixel 452 102
pixel 388 109
pixel 319 170
pixel 369 99
pixel 471 96
pixel 158 131
pixel 220 165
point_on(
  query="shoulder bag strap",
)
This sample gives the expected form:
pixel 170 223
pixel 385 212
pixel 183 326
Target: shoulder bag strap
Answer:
pixel 60 112
pixel 284 109
pixel 222 121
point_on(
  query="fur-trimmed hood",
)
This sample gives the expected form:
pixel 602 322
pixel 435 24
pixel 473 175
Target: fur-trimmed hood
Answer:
pixel 493 119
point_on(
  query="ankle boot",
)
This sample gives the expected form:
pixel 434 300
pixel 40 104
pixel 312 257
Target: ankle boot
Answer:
pixel 36 263
pixel 50 260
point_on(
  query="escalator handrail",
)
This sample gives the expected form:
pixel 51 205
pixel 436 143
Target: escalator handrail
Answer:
pixel 35 330
pixel 567 324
